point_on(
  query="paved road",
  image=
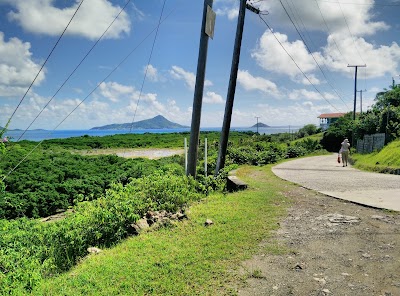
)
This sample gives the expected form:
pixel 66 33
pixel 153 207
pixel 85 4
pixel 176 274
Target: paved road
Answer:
pixel 324 174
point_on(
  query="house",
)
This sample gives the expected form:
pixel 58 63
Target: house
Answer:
pixel 326 119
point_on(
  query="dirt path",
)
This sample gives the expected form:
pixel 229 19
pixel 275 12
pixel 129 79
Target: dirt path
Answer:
pixel 330 247
pixel 151 153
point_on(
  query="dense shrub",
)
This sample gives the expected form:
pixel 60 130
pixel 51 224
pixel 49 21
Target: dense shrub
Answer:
pixel 30 249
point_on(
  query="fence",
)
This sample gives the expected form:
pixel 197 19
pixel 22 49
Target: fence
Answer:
pixel 371 143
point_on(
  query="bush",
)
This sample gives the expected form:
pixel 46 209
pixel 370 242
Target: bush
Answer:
pixel 30 249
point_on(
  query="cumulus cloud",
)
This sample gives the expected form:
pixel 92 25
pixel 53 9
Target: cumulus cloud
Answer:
pixel 331 16
pixel 249 82
pixel 303 94
pixel 213 98
pixel 188 77
pixel 152 73
pixel 112 103
pixel 17 68
pixel 270 55
pixel 92 19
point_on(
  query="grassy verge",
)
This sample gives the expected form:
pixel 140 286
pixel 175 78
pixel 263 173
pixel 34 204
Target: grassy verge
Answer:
pixel 386 160
pixel 189 258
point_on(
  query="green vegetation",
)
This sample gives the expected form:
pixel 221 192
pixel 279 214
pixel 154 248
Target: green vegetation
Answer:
pixel 188 259
pixel 51 181
pixel 386 160
pixel 107 194
pixel 383 117
pixel 30 249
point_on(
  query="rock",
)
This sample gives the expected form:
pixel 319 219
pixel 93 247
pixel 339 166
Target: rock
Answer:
pixel 322 281
pixel 299 266
pixel 235 184
pixel 142 224
pixel 338 218
pixel 326 291
pixel 208 222
pixel 181 216
pixel 94 250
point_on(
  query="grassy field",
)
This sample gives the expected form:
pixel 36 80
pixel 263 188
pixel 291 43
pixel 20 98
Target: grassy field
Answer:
pixel 386 160
pixel 188 258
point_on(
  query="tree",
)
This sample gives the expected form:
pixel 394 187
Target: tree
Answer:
pixel 308 130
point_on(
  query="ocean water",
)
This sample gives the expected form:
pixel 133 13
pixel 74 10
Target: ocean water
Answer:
pixel 39 135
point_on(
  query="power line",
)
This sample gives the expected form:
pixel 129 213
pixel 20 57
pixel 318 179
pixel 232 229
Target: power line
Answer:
pixel 328 29
pixel 48 57
pixel 76 68
pixel 308 49
pixel 294 61
pixel 91 92
pixel 348 28
pixel 148 64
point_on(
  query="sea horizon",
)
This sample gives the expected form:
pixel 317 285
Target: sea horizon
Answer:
pixel 42 134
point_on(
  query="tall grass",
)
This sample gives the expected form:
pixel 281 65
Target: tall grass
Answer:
pixel 190 258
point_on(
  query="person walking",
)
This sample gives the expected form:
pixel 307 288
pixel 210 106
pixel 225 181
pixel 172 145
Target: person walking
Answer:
pixel 345 146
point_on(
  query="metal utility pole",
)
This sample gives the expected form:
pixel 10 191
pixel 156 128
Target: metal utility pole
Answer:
pixel 257 122
pixel 361 91
pixel 207 30
pixel 355 87
pixel 223 144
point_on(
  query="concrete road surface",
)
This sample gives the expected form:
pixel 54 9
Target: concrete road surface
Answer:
pixel 324 174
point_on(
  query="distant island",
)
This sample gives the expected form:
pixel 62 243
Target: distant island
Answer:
pixel 260 124
pixel 158 122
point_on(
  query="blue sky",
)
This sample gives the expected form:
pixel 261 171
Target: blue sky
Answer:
pixel 270 85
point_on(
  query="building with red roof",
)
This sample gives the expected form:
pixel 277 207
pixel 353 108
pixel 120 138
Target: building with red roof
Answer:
pixel 326 119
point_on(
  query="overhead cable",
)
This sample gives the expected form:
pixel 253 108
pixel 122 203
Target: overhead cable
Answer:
pixel 312 55
pixel 298 67
pixel 91 92
pixel 48 57
pixel 75 69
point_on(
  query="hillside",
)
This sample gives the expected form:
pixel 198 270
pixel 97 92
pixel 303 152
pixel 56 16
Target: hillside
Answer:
pixel 260 124
pixel 158 122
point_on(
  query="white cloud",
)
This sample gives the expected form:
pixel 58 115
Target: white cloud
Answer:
pixel 92 19
pixel 115 91
pixel 339 18
pixel 213 98
pixel 17 69
pixel 113 103
pixel 188 77
pixel 249 82
pixel 270 55
pixel 152 73
pixel 303 94
pixel 380 60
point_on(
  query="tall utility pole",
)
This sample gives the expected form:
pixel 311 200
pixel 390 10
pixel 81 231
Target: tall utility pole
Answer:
pixel 355 87
pixel 361 91
pixel 223 144
pixel 207 30
pixel 355 97
pixel 257 122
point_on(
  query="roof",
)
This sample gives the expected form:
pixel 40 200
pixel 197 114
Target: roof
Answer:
pixel 331 115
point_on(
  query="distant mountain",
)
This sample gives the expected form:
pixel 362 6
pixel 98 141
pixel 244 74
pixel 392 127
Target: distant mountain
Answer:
pixel 158 122
pixel 260 124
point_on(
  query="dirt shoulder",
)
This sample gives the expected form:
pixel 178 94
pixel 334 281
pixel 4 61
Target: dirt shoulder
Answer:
pixel 328 247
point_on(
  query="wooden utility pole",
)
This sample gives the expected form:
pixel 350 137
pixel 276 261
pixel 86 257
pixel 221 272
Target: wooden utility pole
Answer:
pixel 257 117
pixel 361 91
pixel 355 97
pixel 207 30
pixel 223 144
pixel 355 87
